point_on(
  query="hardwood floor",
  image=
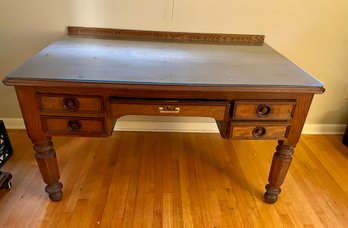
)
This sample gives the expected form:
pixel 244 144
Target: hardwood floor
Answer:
pixel 137 179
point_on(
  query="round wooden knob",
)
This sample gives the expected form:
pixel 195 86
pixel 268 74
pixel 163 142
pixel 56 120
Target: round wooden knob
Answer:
pixel 259 132
pixel 74 125
pixel 263 110
pixel 71 103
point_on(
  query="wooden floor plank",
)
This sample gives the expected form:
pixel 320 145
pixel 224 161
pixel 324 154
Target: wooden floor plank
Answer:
pixel 138 179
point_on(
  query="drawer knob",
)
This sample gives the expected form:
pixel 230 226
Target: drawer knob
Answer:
pixel 169 109
pixel 259 132
pixel 263 110
pixel 74 125
pixel 71 103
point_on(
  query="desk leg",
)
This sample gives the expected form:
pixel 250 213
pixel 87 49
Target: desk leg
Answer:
pixel 279 168
pixel 285 149
pixel 46 158
pixel 44 151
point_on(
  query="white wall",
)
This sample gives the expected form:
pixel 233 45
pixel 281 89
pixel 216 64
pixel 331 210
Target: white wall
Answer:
pixel 25 28
pixel 313 34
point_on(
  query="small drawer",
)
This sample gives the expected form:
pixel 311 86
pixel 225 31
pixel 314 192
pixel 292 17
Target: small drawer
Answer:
pixel 259 131
pixel 73 126
pixel 70 103
pixel 268 110
pixel 216 109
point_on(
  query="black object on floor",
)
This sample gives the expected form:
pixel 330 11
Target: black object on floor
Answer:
pixel 6 152
pixel 345 137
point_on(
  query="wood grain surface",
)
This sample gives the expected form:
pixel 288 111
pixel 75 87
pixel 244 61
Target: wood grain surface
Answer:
pixel 177 180
pixel 214 38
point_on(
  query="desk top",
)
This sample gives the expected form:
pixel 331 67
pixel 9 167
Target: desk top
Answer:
pixel 147 62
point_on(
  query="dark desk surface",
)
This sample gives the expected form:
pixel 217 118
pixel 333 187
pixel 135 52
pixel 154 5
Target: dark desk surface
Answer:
pixel 142 62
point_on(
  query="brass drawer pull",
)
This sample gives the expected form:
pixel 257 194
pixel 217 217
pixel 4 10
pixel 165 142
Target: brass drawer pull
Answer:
pixel 259 132
pixel 71 103
pixel 169 109
pixel 74 125
pixel 263 110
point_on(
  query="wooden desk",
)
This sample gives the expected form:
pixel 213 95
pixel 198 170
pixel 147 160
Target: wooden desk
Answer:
pixel 81 84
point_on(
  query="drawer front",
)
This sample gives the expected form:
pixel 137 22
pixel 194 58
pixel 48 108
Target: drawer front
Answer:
pixel 260 132
pixel 217 110
pixel 61 103
pixel 268 110
pixel 73 126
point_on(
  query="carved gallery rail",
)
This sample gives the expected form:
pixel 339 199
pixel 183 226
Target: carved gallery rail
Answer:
pixel 82 83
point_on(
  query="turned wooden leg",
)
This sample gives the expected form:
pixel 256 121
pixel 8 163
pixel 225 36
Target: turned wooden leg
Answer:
pixel 46 158
pixel 280 165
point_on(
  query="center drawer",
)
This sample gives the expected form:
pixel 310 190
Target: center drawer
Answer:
pixel 216 109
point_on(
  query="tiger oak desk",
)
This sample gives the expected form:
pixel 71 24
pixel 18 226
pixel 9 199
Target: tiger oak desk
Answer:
pixel 81 84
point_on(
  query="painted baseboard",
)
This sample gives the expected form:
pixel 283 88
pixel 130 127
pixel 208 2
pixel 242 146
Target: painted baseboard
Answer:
pixel 204 125
pixel 163 126
pixel 328 129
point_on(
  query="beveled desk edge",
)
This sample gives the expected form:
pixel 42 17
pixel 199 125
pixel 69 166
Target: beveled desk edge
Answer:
pixel 165 87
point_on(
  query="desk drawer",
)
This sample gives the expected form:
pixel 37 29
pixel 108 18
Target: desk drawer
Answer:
pixel 263 110
pixel 70 103
pixel 259 131
pixel 73 126
pixel 216 109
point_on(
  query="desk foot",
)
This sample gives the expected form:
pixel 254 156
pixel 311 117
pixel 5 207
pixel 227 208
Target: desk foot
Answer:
pixel 55 192
pixel 46 158
pixel 280 166
pixel 271 194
